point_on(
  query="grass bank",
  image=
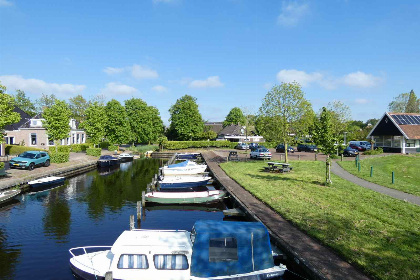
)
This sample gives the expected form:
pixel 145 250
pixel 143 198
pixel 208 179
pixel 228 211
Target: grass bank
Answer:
pixel 376 232
pixel 406 171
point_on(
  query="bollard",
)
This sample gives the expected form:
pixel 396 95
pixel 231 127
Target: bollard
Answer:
pixel 131 222
pixel 358 166
pixel 108 275
pixel 139 209
pixel 393 178
pixel 371 171
pixel 298 157
pixel 316 156
pixel 341 157
pixel 143 199
pixel 281 157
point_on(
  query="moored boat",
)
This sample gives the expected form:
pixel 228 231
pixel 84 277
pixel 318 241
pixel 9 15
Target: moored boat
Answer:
pixel 188 155
pixel 208 196
pixel 46 182
pixel 107 160
pixel 212 250
pixel 8 195
pixel 183 181
pixel 183 168
pixel 125 157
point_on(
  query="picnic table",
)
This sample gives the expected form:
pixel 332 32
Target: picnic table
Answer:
pixel 277 167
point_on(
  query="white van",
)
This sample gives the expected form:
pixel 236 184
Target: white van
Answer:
pixel 364 144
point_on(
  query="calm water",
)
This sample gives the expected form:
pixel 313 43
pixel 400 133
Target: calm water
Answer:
pixel 90 209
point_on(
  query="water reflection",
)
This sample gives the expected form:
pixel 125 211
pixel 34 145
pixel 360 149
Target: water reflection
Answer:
pixel 8 257
pixel 57 216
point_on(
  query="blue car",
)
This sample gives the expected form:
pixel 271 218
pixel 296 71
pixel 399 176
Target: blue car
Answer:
pixel 30 159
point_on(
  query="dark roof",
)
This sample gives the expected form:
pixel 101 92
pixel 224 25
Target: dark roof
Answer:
pixel 392 124
pixel 24 118
pixel 215 126
pixel 232 129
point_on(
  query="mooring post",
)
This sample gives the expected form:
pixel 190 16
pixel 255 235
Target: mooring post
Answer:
pixel 108 275
pixel 358 166
pixel 139 209
pixel 393 178
pixel 143 199
pixel 371 171
pixel 131 222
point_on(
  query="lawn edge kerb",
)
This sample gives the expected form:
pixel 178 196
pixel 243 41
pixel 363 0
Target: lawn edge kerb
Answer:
pixel 357 237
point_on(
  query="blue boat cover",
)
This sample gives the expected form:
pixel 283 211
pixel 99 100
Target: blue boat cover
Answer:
pixel 181 164
pixel 227 248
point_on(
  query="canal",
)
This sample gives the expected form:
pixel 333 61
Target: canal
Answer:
pixel 36 230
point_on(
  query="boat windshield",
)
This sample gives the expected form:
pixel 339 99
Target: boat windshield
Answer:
pixel 27 155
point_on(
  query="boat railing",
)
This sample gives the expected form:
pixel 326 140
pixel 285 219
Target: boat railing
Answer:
pixel 85 253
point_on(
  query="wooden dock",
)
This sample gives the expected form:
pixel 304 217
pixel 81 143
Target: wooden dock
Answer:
pixel 318 261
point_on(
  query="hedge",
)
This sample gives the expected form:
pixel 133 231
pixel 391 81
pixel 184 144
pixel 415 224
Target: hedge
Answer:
pixel 96 152
pixel 177 145
pixel 59 157
pixel 16 150
pixel 374 152
pixel 79 147
pixel 112 148
pixel 104 145
pixel 61 149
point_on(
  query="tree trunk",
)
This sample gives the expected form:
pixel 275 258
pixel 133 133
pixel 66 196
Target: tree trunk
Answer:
pixel 328 171
pixel 285 153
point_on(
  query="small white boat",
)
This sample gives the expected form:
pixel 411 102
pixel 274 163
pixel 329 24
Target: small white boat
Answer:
pixel 125 157
pixel 183 168
pixel 8 195
pixel 185 197
pixel 213 250
pixel 46 182
pixel 183 181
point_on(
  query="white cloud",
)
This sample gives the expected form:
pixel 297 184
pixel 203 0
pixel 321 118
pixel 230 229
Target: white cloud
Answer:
pixel 113 89
pixel 356 79
pixel 360 79
pixel 292 13
pixel 113 70
pixel 159 88
pixel 303 78
pixel 362 101
pixel 210 82
pixel 39 86
pixel 137 71
pixel 5 3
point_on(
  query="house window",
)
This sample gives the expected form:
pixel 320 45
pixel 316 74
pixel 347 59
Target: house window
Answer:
pixel 50 142
pixel 34 123
pixel 396 142
pixel 223 249
pixel 68 140
pixel 33 139
pixel 410 143
pixel 379 141
pixel 73 139
pixel 170 262
pixel 129 261
pixel 78 138
pixel 83 138
pixel 387 141
pixel 10 140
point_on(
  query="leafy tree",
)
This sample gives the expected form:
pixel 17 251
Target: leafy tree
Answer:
pixel 340 118
pixel 145 121
pixel 7 116
pixel 186 120
pixel 235 116
pixel 78 106
pixel 413 104
pixel 57 119
pixel 95 122
pixel 45 101
pixel 24 103
pixel 323 136
pixel 282 112
pixel 208 134
pixel 117 128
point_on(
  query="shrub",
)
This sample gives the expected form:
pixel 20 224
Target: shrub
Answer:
pixel 15 150
pixel 59 157
pixel 104 145
pixel 1 165
pixel 112 148
pixel 141 149
pixel 378 151
pixel 96 152
pixel 79 147
pixel 62 149
pixel 177 145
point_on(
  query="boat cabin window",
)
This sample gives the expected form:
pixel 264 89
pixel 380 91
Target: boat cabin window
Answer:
pixel 223 249
pixel 171 262
pixel 129 261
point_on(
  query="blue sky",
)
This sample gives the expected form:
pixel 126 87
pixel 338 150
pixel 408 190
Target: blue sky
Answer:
pixel 225 53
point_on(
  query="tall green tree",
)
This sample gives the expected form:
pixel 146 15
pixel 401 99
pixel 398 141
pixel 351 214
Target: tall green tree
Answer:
pixel 24 103
pixel 186 120
pixel 282 111
pixel 78 106
pixel 145 121
pixel 235 116
pixel 95 122
pixel 399 104
pixel 45 101
pixel 413 103
pixel 7 116
pixel 340 118
pixel 57 118
pixel 323 136
pixel 117 129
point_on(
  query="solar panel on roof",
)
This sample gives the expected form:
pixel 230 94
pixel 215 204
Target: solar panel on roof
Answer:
pixel 406 119
pixel 417 118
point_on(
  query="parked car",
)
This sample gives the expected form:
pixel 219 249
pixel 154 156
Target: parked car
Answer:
pixel 280 149
pixel 261 153
pixel 253 146
pixel 30 159
pixel 311 148
pixel 357 147
pixel 242 146
pixel 301 147
pixel 350 152
pixel 364 144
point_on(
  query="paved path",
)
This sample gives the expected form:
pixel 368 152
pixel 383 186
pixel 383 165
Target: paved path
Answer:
pixel 319 261
pixel 339 171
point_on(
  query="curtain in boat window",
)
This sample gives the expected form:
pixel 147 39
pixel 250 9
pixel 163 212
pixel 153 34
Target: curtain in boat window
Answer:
pixel 128 261
pixel 171 262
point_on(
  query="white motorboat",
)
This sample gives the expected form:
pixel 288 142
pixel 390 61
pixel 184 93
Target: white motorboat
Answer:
pixel 183 168
pixel 183 181
pixel 213 250
pixel 208 196
pixel 8 195
pixel 125 157
pixel 46 182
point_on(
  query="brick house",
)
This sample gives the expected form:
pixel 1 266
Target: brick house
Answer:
pixel 30 132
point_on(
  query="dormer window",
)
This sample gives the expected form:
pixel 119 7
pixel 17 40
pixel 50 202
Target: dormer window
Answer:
pixel 34 122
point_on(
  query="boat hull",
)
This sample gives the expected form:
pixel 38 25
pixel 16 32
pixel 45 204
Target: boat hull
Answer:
pixel 184 198
pixel 80 274
pixel 108 163
pixel 182 185
pixel 35 185
pixel 126 159
pixel 184 171
pixel 6 196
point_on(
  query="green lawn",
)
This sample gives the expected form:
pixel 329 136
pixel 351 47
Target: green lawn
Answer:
pixel 406 171
pixel 378 233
